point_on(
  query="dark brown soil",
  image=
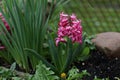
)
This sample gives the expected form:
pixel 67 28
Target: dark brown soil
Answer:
pixel 4 63
pixel 101 66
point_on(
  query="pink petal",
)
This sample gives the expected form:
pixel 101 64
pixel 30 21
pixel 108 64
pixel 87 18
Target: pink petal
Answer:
pixel 2 47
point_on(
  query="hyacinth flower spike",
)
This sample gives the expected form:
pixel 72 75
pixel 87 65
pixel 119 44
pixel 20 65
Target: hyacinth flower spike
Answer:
pixel 69 26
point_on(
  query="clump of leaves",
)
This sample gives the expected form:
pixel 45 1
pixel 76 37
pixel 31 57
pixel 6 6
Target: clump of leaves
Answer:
pixel 12 74
pixel 75 75
pixel 7 73
pixel 86 46
pixel 88 40
pixel 44 73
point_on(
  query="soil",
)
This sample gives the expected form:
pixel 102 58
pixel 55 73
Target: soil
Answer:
pixel 4 63
pixel 100 65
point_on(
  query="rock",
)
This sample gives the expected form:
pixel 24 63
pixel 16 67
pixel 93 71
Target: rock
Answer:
pixel 109 43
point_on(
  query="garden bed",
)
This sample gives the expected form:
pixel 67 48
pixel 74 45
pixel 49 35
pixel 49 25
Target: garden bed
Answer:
pixel 100 65
pixel 28 36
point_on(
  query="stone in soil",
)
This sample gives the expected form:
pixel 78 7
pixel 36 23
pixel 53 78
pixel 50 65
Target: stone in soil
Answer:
pixel 101 66
pixel 109 43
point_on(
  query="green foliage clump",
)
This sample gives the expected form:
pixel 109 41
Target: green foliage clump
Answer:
pixel 7 73
pixel 74 74
pixel 44 73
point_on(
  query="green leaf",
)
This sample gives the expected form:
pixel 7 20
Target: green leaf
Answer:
pixel 16 78
pixel 69 57
pixel 86 51
pixel 39 57
pixel 54 55
pixel 84 54
pixel 13 66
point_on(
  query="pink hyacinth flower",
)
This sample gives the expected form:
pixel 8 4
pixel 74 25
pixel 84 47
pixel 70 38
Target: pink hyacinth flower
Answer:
pixel 73 17
pixel 69 26
pixel 2 47
pixel 59 39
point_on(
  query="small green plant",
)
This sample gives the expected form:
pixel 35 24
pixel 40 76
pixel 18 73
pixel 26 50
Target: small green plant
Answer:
pixel 12 74
pixel 44 73
pixel 7 73
pixel 88 41
pixel 87 45
pixel 74 74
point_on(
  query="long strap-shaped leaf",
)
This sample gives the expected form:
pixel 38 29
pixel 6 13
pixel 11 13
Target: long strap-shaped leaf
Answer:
pixel 39 57
pixel 54 55
pixel 69 55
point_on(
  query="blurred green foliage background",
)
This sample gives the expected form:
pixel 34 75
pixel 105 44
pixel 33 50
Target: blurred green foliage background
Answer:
pixel 96 15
